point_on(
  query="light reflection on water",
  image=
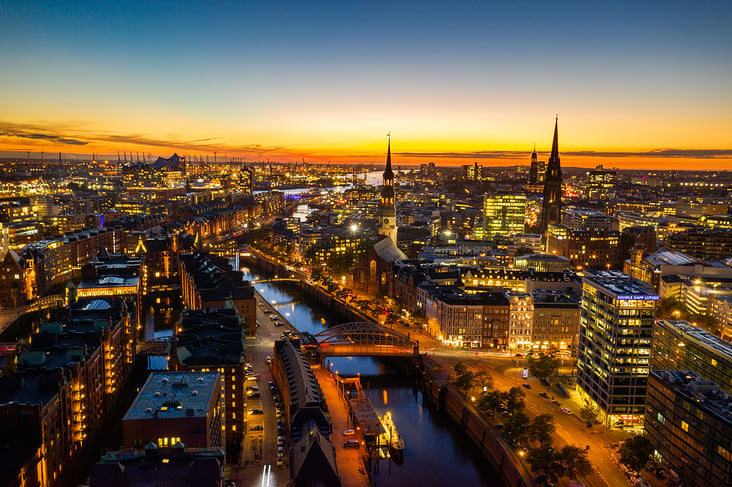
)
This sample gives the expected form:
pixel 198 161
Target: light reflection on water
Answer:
pixel 436 452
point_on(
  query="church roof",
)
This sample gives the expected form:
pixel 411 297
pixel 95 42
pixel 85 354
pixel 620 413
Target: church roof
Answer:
pixel 387 250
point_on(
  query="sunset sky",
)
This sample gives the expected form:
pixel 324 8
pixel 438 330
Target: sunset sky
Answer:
pixel 636 84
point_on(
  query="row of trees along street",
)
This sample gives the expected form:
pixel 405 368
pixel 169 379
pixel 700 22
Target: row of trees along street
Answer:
pixel 533 438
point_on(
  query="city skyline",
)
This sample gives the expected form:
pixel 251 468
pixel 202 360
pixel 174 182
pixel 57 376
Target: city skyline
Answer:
pixel 635 86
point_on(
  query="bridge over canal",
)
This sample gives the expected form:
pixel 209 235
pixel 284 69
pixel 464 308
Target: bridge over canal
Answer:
pixel 364 339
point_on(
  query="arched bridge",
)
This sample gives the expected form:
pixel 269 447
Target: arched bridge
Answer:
pixel 364 339
pixel 52 301
pixel 154 347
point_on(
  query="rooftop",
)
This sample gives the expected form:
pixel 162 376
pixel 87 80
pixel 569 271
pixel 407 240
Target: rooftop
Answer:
pixel 671 257
pixel 705 393
pixel 699 337
pixel 621 285
pixel 160 467
pixel 110 281
pixel 174 395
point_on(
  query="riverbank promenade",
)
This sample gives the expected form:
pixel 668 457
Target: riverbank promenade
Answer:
pixel 349 460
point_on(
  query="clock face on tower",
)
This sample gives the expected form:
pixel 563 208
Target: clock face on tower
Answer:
pixel 386 221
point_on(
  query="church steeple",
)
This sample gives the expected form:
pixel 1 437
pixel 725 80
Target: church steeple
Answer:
pixel 552 205
pixel 387 210
pixel 534 176
pixel 555 142
pixel 388 172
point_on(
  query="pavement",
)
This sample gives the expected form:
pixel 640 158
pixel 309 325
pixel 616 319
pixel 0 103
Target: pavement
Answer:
pixel 259 457
pixel 506 372
pixel 349 460
pixel 505 369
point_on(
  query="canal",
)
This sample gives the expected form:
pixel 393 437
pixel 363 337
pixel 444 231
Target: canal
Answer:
pixel 436 451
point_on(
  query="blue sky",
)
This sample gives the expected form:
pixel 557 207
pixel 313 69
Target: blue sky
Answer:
pixel 327 79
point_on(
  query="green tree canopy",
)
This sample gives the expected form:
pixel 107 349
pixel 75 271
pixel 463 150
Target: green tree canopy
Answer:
pixel 490 401
pixel 542 428
pixel 517 428
pixel 575 461
pixel 543 367
pixel 547 461
pixel 460 368
pixel 483 380
pixel 465 381
pixel 636 452
pixel 515 400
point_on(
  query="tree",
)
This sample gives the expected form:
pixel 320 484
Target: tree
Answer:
pixel 541 429
pixel 310 255
pixel 490 402
pixel 547 461
pixel 465 381
pixel 574 460
pixel 543 367
pixel 460 368
pixel 483 380
pixel 636 452
pixel 517 428
pixel 515 400
pixel 671 308
pixel 522 251
pixel 588 414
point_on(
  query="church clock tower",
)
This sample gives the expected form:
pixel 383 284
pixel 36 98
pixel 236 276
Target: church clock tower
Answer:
pixel 387 210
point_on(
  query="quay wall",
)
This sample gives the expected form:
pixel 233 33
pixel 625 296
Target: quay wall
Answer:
pixel 435 389
pixel 448 400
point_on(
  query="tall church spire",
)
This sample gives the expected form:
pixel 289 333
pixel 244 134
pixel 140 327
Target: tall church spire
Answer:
pixel 551 208
pixel 388 172
pixel 387 210
pixel 555 142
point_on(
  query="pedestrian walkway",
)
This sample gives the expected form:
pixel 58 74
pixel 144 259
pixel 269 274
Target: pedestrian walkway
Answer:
pixel 349 460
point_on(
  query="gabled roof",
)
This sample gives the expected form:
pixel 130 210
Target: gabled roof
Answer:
pixel 313 461
pixel 387 250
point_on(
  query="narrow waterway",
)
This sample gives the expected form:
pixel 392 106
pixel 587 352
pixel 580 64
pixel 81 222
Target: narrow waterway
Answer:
pixel 436 452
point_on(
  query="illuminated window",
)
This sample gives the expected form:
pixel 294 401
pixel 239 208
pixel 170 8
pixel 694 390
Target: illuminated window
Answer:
pixel 685 426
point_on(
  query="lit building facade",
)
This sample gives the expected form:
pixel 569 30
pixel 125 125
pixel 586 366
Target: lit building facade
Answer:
pixel 174 407
pixel 677 345
pixel 615 343
pixel 503 214
pixel 521 320
pixel 688 421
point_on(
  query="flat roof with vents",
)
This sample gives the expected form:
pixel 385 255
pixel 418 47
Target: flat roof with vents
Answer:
pixel 175 395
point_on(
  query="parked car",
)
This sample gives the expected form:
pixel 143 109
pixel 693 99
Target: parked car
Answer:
pixel 256 411
pixel 351 444
pixel 349 432
pixel 252 389
pixel 544 395
pixel 526 385
pixel 256 427
pixel 280 461
pixel 565 410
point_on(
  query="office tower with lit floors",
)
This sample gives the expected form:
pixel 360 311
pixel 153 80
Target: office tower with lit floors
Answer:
pixel 614 351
